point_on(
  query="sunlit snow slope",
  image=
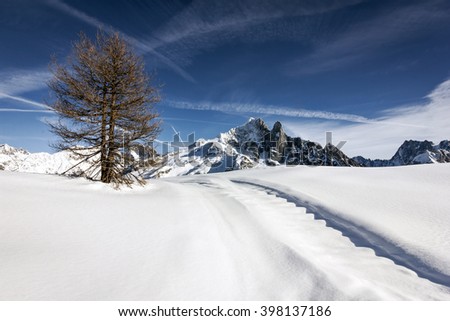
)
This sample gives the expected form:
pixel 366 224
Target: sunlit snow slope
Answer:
pixel 263 234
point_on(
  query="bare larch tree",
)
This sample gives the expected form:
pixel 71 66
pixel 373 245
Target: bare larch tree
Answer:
pixel 105 102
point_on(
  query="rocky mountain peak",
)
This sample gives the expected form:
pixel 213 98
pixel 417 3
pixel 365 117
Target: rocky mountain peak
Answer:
pixel 445 145
pixel 412 152
pixel 5 149
pixel 278 142
pixel 409 150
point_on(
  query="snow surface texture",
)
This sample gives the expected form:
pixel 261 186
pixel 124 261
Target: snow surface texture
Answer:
pixel 298 233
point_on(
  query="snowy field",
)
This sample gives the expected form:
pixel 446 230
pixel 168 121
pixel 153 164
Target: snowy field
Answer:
pixel 319 233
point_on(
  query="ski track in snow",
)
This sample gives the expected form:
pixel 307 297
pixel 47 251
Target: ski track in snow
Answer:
pixel 359 235
pixel 280 217
pixel 260 259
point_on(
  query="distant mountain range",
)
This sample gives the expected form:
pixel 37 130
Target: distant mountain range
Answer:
pixel 412 152
pixel 20 160
pixel 248 146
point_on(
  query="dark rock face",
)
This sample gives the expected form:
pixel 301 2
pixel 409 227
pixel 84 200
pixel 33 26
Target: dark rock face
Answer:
pixel 445 145
pixel 409 150
pixel 444 151
pixel 275 147
pixel 412 152
pixel 367 162
pixel 278 142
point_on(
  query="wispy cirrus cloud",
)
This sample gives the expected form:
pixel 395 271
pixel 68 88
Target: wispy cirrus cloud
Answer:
pixel 18 110
pixel 381 138
pixel 24 100
pixel 143 46
pixel 266 110
pixel 367 38
pixel 13 83
pixel 206 24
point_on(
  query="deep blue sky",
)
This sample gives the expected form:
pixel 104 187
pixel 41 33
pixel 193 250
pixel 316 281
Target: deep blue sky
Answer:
pixel 373 72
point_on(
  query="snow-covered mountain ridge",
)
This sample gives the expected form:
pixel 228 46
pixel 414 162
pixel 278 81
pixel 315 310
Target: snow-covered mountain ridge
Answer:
pixel 412 152
pixel 19 160
pixel 250 145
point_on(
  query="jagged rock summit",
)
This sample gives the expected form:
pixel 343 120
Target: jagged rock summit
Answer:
pixel 421 152
pixel 412 152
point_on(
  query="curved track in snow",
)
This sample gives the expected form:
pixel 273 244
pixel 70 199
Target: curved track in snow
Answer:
pixel 359 235
pixel 284 232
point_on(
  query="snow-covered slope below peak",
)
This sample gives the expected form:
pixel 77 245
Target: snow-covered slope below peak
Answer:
pixel 427 157
pixel 254 130
pixel 206 156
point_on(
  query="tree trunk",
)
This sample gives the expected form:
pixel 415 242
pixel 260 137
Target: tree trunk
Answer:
pixel 103 141
pixel 111 141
